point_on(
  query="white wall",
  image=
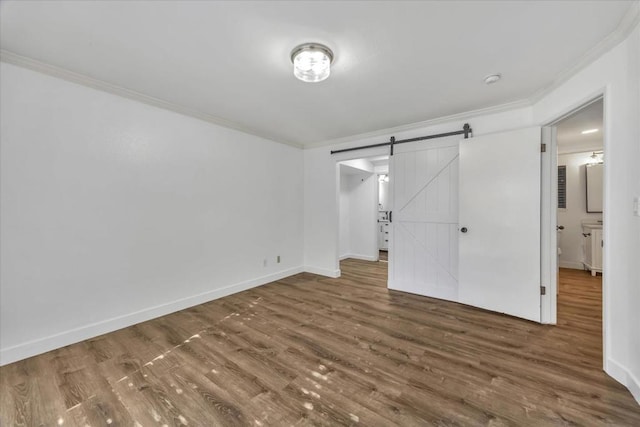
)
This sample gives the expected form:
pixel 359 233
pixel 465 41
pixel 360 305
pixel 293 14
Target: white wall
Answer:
pixel 617 74
pixel 358 215
pixel 364 216
pixel 114 212
pixel 357 165
pixel 383 195
pixel 570 239
pixel 344 222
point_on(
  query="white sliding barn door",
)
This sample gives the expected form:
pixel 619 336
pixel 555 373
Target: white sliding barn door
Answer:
pixel 499 264
pixel 423 253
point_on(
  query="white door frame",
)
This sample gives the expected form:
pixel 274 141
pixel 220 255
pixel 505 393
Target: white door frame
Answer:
pixel 548 223
pixel 549 203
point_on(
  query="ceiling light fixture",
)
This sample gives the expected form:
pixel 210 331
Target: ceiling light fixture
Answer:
pixel 595 158
pixel 311 62
pixel 492 78
pixel 588 131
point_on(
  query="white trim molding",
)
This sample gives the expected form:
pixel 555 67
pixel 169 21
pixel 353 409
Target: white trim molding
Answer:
pixel 322 271
pixel 361 257
pixel 624 28
pixel 619 373
pixel 425 123
pixel 71 76
pixel 571 264
pixel 42 345
pixel 626 25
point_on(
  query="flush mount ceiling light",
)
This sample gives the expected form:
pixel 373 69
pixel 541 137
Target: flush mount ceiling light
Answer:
pixel 311 62
pixel 588 131
pixel 492 78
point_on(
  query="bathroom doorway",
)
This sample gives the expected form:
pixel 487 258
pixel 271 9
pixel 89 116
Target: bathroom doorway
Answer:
pixel 363 206
pixel 580 154
pixel 580 215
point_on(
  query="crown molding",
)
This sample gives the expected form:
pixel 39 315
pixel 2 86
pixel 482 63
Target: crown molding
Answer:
pixel 70 76
pixel 624 28
pixel 627 24
pixel 630 20
pixel 81 79
pixel 425 123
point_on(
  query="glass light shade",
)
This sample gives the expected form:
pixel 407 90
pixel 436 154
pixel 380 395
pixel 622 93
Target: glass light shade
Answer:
pixel 311 62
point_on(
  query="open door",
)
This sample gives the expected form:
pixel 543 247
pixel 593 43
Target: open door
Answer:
pixel 499 222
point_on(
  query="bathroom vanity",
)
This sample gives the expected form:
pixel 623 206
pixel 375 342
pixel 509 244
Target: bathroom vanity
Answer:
pixel 593 246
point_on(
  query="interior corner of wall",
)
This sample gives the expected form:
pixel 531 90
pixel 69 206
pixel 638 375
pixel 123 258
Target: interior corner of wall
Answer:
pixel 624 376
pixel 334 274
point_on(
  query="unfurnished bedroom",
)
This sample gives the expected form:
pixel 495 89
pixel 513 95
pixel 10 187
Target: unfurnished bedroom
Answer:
pixel 276 213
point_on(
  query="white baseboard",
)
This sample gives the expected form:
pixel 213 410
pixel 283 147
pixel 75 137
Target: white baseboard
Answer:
pixel 52 342
pixel 357 256
pixel 624 377
pixel 322 271
pixel 571 264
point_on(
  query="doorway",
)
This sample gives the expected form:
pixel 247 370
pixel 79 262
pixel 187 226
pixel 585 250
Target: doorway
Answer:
pixel 575 140
pixel 363 208
pixel 580 155
pixel 580 209
pixel 384 209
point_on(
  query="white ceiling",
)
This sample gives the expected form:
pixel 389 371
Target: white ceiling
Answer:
pixel 395 62
pixel 569 130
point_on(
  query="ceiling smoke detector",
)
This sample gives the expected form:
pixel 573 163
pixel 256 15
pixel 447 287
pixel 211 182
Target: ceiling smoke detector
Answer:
pixel 492 78
pixel 312 62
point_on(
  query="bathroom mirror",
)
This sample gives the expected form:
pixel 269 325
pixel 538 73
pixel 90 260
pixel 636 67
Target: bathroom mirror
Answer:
pixel 383 193
pixel 594 187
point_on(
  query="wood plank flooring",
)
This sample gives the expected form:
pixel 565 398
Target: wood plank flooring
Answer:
pixel 315 351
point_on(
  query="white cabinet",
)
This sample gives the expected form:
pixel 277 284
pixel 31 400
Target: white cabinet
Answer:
pixel 593 246
pixel 383 235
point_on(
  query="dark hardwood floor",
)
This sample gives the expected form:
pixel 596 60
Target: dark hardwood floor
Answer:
pixel 315 351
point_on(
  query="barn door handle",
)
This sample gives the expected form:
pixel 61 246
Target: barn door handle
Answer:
pixel 390 216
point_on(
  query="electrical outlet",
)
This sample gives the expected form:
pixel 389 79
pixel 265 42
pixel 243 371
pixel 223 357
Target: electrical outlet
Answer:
pixel 264 262
pixel 636 206
pixel 278 259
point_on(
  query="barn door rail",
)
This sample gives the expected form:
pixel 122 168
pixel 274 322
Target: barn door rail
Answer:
pixel 466 131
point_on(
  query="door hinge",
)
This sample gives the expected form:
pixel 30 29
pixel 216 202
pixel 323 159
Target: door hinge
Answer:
pixel 543 148
pixel 543 290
